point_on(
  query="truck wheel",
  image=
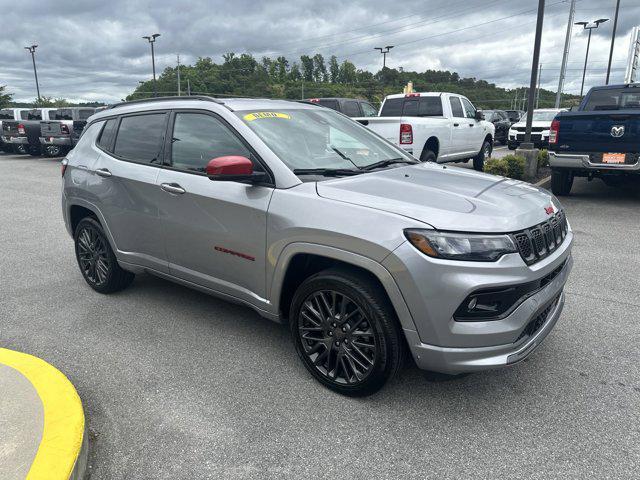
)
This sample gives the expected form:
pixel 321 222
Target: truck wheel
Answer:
pixel 512 146
pixel 561 181
pixel 19 149
pixel 96 260
pixel 485 152
pixel 53 151
pixel 428 156
pixel 345 332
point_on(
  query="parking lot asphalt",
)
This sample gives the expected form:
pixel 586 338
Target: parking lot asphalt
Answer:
pixel 177 384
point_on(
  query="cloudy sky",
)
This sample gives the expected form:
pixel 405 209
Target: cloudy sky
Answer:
pixel 93 50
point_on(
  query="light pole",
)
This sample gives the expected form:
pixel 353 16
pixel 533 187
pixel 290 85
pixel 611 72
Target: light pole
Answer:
pixel 613 39
pixel 152 39
pixel 588 26
pixel 32 50
pixel 384 51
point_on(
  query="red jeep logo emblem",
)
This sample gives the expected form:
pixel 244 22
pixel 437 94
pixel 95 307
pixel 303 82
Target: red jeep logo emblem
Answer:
pixel 548 210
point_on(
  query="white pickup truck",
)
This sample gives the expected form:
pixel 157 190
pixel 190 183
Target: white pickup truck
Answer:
pixel 434 126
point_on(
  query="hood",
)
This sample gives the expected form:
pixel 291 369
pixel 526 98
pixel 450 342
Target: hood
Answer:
pixel 447 198
pixel 540 123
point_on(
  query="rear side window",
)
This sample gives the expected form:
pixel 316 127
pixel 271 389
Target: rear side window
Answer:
pixel 140 138
pixel 6 115
pixel 392 107
pixel 24 114
pixel 456 107
pixel 351 108
pixel 368 110
pixel 429 107
pixel 63 114
pixel 332 104
pixel 198 138
pixel 108 134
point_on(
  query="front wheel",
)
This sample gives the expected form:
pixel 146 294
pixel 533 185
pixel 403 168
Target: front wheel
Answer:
pixel 96 259
pixel 485 152
pixel 428 156
pixel 561 181
pixel 345 332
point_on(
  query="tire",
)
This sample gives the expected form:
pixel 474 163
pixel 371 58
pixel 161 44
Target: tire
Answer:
pixel 96 259
pixel 51 151
pixel 485 152
pixel 365 348
pixel 20 149
pixel 561 181
pixel 428 156
pixel 511 146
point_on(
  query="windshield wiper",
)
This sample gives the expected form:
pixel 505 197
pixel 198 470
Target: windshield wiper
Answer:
pixel 327 172
pixel 386 163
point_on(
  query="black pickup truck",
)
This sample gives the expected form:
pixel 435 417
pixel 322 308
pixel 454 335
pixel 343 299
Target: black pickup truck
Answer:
pixel 601 139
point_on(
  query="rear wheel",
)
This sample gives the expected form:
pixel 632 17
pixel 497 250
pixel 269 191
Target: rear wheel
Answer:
pixel 96 260
pixel 345 332
pixel 561 181
pixel 20 149
pixel 428 156
pixel 485 152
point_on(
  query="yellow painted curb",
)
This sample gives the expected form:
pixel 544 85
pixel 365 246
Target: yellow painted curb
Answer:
pixel 63 429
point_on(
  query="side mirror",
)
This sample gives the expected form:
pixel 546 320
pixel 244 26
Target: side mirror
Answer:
pixel 233 168
pixel 479 115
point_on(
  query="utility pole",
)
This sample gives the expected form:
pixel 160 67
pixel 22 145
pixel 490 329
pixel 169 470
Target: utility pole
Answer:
pixel 32 50
pixel 384 51
pixel 613 40
pixel 179 93
pixel 565 53
pixel 590 27
pixel 152 39
pixel 530 154
pixel 538 92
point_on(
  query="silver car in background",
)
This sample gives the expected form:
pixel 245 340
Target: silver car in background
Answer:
pixel 311 219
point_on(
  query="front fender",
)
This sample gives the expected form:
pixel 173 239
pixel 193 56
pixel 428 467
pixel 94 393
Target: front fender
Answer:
pixel 372 266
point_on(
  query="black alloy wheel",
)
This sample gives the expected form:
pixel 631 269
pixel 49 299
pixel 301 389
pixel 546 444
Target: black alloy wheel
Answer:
pixel 53 151
pixel 96 259
pixel 337 337
pixel 346 332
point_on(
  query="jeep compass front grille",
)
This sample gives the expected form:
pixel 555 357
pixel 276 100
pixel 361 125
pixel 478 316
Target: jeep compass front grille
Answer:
pixel 541 240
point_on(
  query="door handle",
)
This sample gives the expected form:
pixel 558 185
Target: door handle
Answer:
pixel 103 172
pixel 456 124
pixel 471 124
pixel 172 188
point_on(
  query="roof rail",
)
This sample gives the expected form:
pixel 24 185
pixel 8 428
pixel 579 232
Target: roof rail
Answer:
pixel 165 99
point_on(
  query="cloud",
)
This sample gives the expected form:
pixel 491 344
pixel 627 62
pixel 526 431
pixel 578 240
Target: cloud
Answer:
pixel 93 50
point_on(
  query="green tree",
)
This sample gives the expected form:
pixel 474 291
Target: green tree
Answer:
pixel 319 68
pixel 5 98
pixel 334 69
pixel 307 68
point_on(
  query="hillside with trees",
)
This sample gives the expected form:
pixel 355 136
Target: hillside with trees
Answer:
pixel 312 76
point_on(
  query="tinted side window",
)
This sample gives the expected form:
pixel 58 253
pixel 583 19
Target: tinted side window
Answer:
pixel 456 107
pixel 368 110
pixel 63 114
pixel 430 107
pixel 108 133
pixel 198 138
pixel 392 107
pixel 34 115
pixel 332 104
pixel 24 115
pixel 351 108
pixel 140 138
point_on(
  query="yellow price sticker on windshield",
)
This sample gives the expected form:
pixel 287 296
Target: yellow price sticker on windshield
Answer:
pixel 250 117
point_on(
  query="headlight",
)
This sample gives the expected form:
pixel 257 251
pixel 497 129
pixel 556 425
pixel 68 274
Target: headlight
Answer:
pixel 461 246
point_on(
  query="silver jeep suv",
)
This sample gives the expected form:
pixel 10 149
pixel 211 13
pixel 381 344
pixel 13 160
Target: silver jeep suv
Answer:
pixel 311 219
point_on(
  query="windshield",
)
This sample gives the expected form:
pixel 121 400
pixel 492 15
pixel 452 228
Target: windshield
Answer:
pixel 613 99
pixel 541 116
pixel 315 138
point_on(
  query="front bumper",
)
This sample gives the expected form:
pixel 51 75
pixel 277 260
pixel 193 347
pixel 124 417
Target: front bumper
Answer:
pixel 55 141
pixel 583 162
pixel 434 289
pixel 15 140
